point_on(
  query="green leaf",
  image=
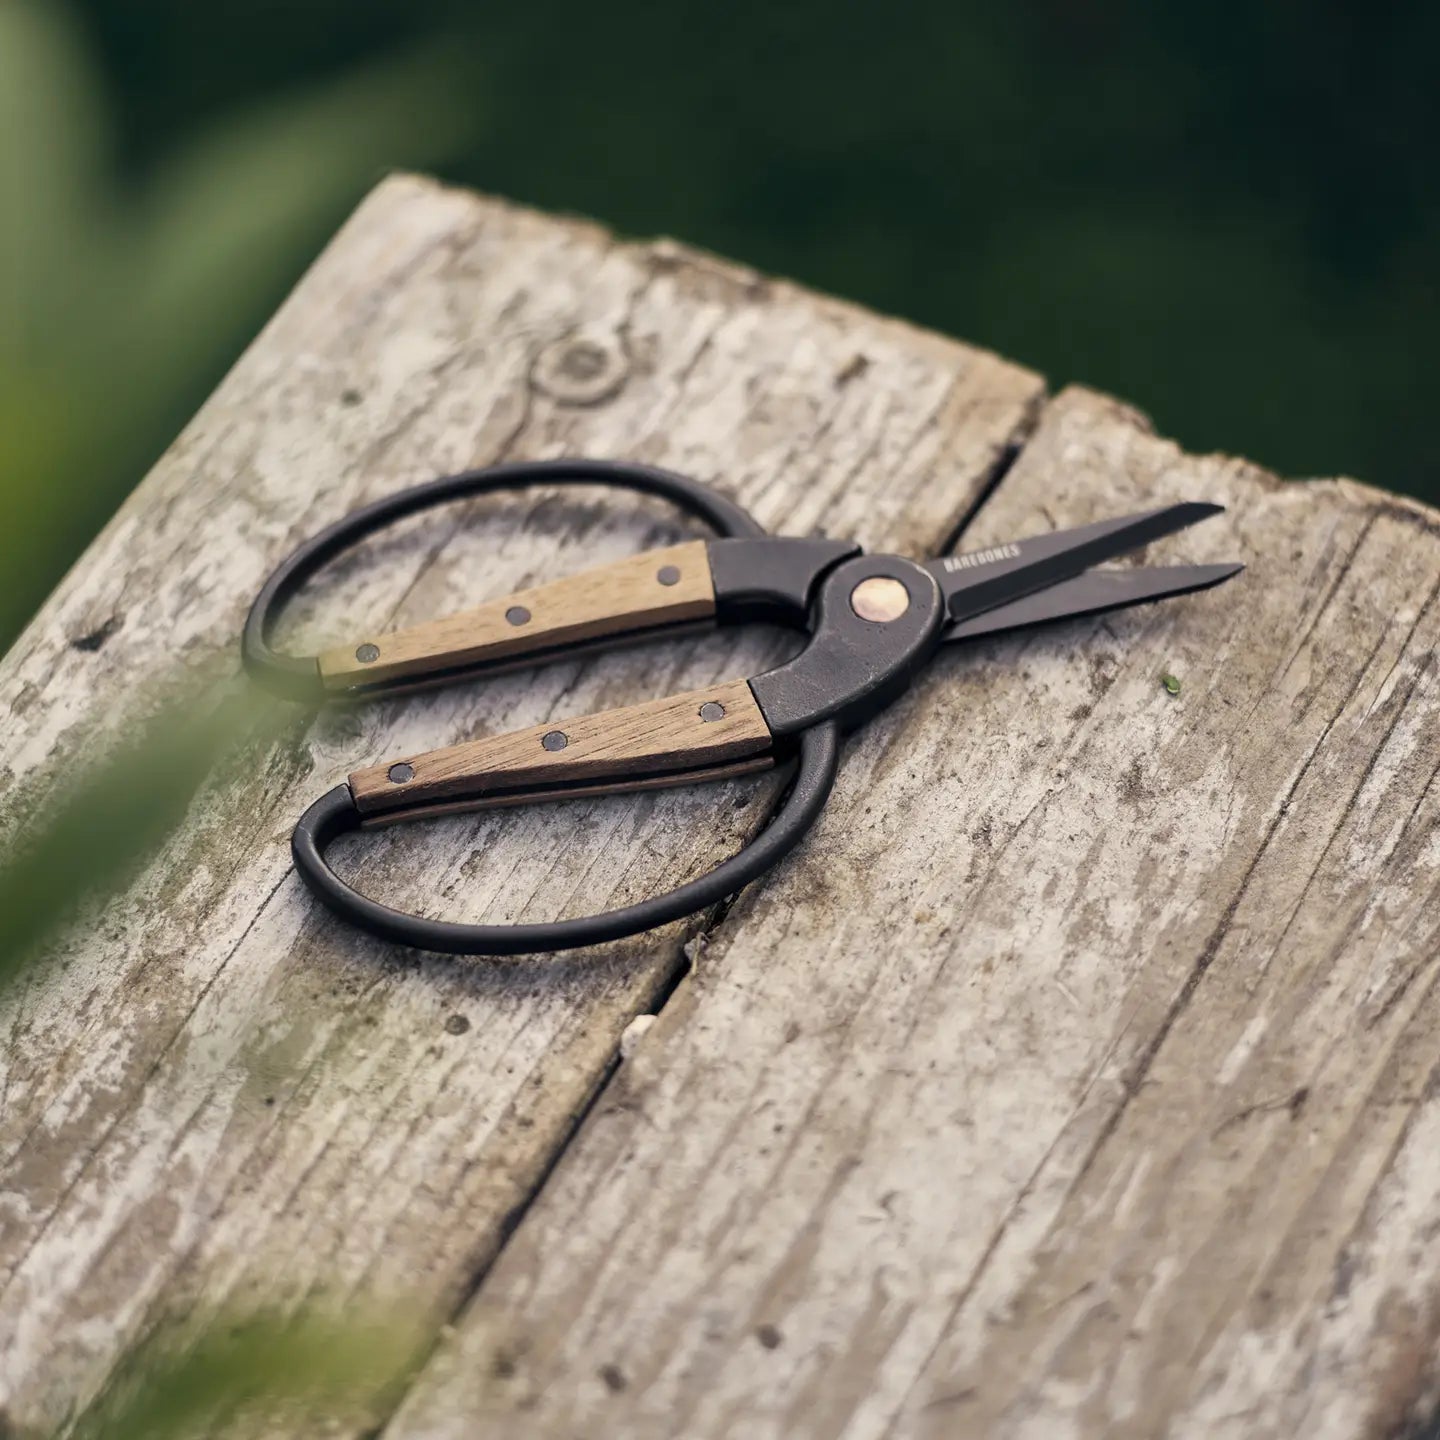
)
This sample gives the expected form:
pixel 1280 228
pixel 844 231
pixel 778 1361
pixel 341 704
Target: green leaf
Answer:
pixel 52 138
pixel 296 1372
pixel 109 821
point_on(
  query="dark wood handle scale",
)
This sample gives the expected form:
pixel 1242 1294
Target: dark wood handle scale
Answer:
pixel 703 735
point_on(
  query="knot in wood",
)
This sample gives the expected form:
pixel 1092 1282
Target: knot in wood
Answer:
pixel 583 369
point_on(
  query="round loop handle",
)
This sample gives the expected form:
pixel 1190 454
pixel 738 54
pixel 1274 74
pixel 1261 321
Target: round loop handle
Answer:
pixel 298 678
pixel 334 814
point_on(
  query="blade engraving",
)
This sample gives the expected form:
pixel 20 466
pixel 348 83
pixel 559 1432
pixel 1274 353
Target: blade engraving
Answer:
pixel 952 563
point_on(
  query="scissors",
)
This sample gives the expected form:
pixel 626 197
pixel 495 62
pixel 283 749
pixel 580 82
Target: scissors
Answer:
pixel 873 623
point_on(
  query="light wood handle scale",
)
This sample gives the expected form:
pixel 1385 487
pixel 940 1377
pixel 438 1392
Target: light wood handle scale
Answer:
pixel 699 735
pixel 659 587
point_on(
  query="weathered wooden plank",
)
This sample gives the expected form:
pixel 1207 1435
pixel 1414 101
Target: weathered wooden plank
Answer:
pixel 1078 1077
pixel 225 1098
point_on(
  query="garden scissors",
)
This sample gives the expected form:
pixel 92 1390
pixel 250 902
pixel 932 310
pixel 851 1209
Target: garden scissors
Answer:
pixel 873 622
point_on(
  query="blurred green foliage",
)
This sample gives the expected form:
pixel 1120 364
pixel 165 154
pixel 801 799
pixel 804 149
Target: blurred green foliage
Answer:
pixel 298 1374
pixel 98 830
pixel 117 295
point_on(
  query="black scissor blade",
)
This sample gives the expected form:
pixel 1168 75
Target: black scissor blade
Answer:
pixel 1091 594
pixel 983 579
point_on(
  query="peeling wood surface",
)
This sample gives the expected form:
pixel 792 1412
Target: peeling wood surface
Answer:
pixel 223 1098
pixel 1078 1078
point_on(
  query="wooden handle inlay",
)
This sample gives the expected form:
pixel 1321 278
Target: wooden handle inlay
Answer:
pixel 701 729
pixel 659 587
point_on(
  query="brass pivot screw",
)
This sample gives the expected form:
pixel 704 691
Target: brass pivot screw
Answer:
pixel 880 599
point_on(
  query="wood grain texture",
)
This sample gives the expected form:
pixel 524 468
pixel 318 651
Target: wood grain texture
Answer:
pixel 1078 1077
pixel 607 601
pixel 219 1097
pixel 699 729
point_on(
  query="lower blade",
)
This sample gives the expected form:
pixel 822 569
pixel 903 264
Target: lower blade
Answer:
pixel 1092 594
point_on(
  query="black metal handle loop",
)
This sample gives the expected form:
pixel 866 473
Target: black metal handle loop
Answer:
pixel 335 813
pixel 297 678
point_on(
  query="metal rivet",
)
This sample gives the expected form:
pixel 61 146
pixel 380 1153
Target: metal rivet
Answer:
pixel 400 773
pixel 367 654
pixel 712 710
pixel 518 615
pixel 668 575
pixel 880 599
pixel 555 740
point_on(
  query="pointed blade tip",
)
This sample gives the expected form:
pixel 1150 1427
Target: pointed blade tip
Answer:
pixel 1207 576
pixel 1201 509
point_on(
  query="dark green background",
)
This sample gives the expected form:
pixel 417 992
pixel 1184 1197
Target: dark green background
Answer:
pixel 1228 213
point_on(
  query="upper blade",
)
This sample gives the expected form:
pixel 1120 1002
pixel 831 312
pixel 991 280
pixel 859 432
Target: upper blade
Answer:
pixel 975 582
pixel 1091 594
